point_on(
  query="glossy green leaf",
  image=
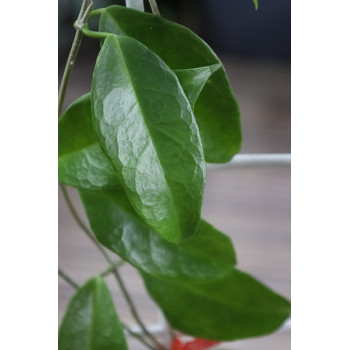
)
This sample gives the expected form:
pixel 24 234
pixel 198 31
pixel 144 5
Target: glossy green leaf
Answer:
pixel 235 307
pixel 145 125
pixel 207 255
pixel 255 4
pixel 90 322
pixel 193 80
pixel 218 117
pixel 81 162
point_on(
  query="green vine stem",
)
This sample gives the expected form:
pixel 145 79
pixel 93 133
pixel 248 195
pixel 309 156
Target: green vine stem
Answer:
pixel 154 7
pixel 105 273
pixel 110 269
pixel 138 337
pixel 96 12
pixel 87 13
pixel 92 34
pixel 80 222
pixel 66 278
pixel 71 59
pixel 133 310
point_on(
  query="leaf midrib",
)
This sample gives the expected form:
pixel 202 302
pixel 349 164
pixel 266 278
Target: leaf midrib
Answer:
pixel 146 126
pixel 93 313
pixel 196 292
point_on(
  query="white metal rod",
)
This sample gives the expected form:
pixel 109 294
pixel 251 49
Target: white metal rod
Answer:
pixel 255 161
pixel 135 4
pixel 157 328
pixel 161 327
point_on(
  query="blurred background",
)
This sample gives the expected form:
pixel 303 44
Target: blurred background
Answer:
pixel 251 206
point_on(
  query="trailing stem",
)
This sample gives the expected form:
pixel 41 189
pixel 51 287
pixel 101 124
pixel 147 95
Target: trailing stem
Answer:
pixel 69 280
pixel 105 273
pixel 71 58
pixel 110 269
pixel 92 34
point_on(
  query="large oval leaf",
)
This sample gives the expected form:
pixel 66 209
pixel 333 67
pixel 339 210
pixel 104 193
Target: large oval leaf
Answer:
pixel 91 322
pixel 81 162
pixel 145 125
pixel 216 112
pixel 206 256
pixel 235 307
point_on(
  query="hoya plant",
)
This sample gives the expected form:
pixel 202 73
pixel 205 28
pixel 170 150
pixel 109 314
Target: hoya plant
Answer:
pixel 136 148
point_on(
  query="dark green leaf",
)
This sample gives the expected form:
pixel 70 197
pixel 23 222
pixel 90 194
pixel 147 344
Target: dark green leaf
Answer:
pixel 81 162
pixel 218 118
pixel 207 255
pixel 90 322
pixel 221 140
pixel 145 125
pixel 193 80
pixel 235 307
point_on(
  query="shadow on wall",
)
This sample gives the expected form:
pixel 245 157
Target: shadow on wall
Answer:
pixel 233 26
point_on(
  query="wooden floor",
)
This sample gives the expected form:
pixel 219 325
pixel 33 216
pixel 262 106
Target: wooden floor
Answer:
pixel 251 206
